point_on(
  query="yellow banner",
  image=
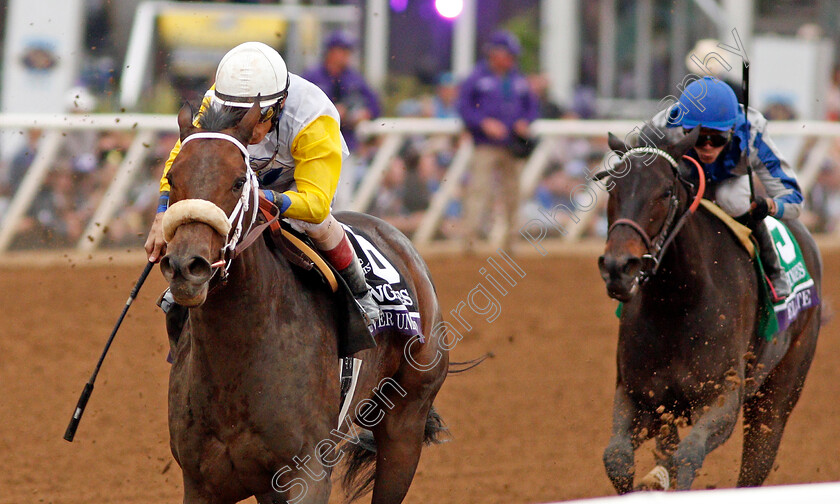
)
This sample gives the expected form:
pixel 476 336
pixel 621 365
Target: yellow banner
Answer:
pixel 219 29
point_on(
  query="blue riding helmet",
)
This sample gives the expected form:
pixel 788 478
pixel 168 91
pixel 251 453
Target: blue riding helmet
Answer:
pixel 707 102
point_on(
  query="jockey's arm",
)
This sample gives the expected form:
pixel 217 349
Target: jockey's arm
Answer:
pixel 317 151
pixel 164 181
pixel 155 244
pixel 776 175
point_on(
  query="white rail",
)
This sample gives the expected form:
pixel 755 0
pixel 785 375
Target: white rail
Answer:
pixel 817 493
pixel 392 131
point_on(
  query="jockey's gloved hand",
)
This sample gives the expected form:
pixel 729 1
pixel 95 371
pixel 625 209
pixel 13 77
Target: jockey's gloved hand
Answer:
pixel 281 200
pixel 269 195
pixel 761 208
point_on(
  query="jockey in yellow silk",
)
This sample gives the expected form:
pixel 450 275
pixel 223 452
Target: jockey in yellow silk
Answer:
pixel 296 150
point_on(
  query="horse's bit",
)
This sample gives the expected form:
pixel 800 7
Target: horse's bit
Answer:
pixel 657 246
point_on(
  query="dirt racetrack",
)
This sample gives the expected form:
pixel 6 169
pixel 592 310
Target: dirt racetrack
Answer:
pixel 528 425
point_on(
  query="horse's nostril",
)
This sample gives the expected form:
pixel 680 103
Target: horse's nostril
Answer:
pixel 198 268
pixel 603 268
pixel 166 267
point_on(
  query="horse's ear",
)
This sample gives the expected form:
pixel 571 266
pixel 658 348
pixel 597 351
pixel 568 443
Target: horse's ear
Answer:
pixel 185 124
pixel 245 128
pixel 678 149
pixel 617 144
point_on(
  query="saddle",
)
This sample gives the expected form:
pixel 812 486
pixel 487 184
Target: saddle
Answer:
pixel 299 250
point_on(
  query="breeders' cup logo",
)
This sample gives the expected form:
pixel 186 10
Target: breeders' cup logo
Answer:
pixel 39 56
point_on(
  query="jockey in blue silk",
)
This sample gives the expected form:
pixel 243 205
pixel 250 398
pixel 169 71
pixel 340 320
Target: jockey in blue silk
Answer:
pixel 296 150
pixel 730 139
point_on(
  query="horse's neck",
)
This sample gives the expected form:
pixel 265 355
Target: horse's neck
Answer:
pixel 256 281
pixel 686 263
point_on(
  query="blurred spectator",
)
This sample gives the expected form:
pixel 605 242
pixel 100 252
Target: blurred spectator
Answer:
pixel 824 200
pixel 779 108
pixel 23 159
pixel 444 102
pixel 53 219
pixel 832 101
pixel 539 86
pixel 583 103
pixel 132 221
pixel 497 106
pixel 80 146
pixel 554 189
pixel 345 86
pixel 403 196
pixel 713 66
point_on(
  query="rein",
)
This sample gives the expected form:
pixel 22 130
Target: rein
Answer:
pixel 657 246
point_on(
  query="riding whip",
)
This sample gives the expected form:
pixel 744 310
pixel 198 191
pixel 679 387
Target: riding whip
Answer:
pixel 70 433
pixel 745 90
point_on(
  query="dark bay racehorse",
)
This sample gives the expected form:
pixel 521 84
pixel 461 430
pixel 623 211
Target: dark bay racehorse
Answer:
pixel 254 386
pixel 688 353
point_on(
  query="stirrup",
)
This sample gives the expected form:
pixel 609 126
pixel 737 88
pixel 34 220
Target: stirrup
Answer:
pixel 777 294
pixel 367 305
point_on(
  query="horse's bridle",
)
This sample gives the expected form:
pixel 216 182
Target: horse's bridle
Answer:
pixel 657 246
pixel 248 200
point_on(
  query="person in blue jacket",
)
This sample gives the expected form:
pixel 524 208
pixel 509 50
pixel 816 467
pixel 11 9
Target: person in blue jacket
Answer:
pixel 346 87
pixel 732 138
pixel 497 107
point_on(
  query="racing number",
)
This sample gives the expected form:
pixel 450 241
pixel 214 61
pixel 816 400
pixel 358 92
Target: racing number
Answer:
pixel 785 245
pixel 381 267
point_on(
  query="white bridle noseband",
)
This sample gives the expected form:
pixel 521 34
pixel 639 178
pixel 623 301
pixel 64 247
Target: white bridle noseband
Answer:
pixel 191 210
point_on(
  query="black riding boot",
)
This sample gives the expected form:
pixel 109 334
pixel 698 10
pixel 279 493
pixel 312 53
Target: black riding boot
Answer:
pixel 355 278
pixel 770 260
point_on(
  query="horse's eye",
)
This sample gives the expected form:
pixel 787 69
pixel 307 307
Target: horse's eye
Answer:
pixel 240 182
pixel 667 194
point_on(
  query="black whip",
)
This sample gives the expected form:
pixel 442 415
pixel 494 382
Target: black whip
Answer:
pixel 745 90
pixel 70 433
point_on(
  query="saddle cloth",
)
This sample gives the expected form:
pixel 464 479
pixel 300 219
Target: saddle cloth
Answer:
pixel 397 303
pixel 775 317
pixel 389 288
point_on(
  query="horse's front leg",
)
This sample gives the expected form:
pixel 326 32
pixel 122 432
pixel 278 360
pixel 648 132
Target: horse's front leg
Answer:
pixel 711 429
pixel 197 493
pixel 629 430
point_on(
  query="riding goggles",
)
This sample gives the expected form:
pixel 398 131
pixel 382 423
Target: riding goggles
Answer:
pixel 713 139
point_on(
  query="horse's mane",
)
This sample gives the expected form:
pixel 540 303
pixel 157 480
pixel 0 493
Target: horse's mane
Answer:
pixel 217 117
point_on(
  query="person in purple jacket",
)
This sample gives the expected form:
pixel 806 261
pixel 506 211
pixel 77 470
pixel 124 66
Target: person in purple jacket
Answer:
pixel 497 107
pixel 345 86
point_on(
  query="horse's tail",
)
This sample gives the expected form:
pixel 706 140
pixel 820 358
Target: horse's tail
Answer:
pixel 460 367
pixel 361 456
pixel 361 465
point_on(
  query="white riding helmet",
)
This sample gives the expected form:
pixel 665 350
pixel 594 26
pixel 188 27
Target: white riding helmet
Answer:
pixel 250 69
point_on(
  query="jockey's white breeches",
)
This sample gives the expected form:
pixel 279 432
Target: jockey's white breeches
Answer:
pixel 733 195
